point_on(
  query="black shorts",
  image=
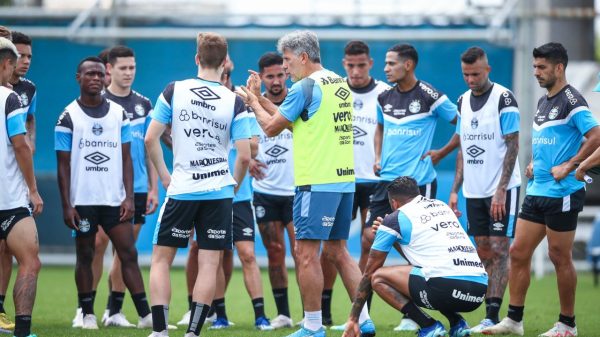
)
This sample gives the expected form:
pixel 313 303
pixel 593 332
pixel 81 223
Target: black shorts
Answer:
pixel 139 217
pixel 9 217
pixel 210 218
pixel 268 207
pixel 362 197
pixel 243 222
pixel 93 216
pixel 380 204
pixel 480 222
pixel 446 294
pixel 559 214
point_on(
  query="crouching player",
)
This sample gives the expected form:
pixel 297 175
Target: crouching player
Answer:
pixel 445 272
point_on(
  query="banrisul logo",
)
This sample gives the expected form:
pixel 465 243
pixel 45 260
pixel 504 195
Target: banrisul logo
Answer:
pixel 342 93
pixel 97 129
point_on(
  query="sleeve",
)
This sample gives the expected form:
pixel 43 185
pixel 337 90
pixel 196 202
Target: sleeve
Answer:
pixel 583 120
pixel 148 116
pixel 297 100
pixel 458 118
pixel 15 116
pixel 255 129
pixel 125 129
pixel 63 133
pixel 33 104
pixel 510 117
pixel 240 128
pixel 387 234
pixel 444 108
pixel 379 114
pixel 163 110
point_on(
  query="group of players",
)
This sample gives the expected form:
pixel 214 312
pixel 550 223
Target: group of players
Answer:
pixel 317 153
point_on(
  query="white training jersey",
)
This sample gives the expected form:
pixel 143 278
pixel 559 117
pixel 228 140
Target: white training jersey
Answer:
pixel 203 115
pixel 483 122
pixel 431 238
pixel 96 154
pixel 14 189
pixel 364 124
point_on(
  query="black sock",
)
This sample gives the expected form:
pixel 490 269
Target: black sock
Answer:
pixel 570 321
pixel 141 304
pixel 259 307
pixel 220 308
pixel 487 304
pixel 190 302
pixel 93 296
pixel 197 317
pixel 515 313
pixel 159 317
pixel 326 303
pixel 212 309
pixel 452 317
pixel 2 297
pixel 86 302
pixel 22 326
pixel 109 301
pixel 493 309
pixel 116 302
pixel 281 301
pixel 417 315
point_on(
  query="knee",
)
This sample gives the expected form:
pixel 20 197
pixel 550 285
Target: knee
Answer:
pixel 275 251
pixel 376 281
pixel 247 258
pixel 128 255
pixel 85 255
pixel 366 242
pixel 558 256
pixel 305 257
pixel 518 254
pixel 484 252
pixel 31 265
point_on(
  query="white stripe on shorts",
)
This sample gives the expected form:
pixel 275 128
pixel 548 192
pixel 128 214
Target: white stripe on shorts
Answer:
pixel 566 203
pixel 428 191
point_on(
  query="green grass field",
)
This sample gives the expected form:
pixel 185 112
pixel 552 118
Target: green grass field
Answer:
pixel 56 302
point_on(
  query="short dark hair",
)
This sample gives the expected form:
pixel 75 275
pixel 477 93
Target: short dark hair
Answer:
pixel 406 51
pixel 119 51
pixel 553 52
pixel 103 55
pixel 211 49
pixel 20 38
pixel 472 54
pixel 356 47
pixel 89 59
pixel 403 187
pixel 269 59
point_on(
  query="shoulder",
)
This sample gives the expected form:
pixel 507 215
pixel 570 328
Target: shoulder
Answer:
pixel 381 86
pixel 391 221
pixel 572 99
pixel 141 98
pixel 506 98
pixel 387 92
pixel 428 91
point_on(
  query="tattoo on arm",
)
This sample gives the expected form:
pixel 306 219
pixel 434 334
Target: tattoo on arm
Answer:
pixel 512 150
pixel 375 261
pixel 458 176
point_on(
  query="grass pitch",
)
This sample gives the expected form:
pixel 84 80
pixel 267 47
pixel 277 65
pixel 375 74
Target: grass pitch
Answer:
pixel 56 303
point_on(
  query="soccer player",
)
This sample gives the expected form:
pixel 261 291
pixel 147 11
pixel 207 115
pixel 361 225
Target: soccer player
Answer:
pixel 406 119
pixel 553 197
pixel 365 90
pixel 20 198
pixel 444 274
pixel 593 160
pixel 26 90
pixel 95 177
pixel 274 189
pixel 488 126
pixel 204 117
pixel 319 106
pixel 122 67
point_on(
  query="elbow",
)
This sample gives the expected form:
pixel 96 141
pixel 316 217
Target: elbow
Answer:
pixel 244 158
pixel 271 130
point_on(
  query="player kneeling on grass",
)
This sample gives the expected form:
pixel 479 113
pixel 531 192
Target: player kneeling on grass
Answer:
pixel 449 278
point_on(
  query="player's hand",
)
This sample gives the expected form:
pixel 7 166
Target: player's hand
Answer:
pixel 376 223
pixel 352 329
pixel 256 169
pixel 253 83
pixel 71 217
pixel 246 95
pixel 152 201
pixel 436 156
pixel 580 173
pixel 529 170
pixel 561 171
pixel 127 209
pixel 36 201
pixel 453 203
pixel 498 208
pixel 377 167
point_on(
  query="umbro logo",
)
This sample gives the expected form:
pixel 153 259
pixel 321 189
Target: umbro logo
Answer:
pixel 342 93
pixel 205 93
pixel 358 132
pixel 475 151
pixel 276 151
pixel 97 158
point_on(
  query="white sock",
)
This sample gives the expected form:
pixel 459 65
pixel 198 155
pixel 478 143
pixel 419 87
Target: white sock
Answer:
pixel 313 320
pixel 364 314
